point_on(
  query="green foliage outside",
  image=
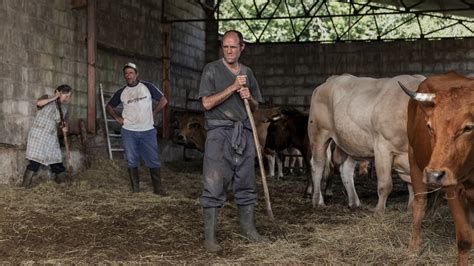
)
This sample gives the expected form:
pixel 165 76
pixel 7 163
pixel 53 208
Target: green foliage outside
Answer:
pixel 333 21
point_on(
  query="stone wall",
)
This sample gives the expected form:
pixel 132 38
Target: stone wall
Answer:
pixel 288 73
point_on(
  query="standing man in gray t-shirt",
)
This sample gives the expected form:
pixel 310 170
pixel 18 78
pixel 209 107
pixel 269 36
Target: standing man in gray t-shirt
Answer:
pixel 229 154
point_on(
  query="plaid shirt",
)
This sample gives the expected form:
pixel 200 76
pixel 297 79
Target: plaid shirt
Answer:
pixel 43 143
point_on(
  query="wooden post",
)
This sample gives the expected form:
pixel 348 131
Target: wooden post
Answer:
pixel 91 53
pixel 166 77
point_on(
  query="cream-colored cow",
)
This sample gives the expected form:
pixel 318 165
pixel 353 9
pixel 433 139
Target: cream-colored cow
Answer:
pixel 366 118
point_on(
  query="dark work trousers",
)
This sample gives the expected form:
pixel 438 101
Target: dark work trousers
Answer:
pixel 222 164
pixel 55 167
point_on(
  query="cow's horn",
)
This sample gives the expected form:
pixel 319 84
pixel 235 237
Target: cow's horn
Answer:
pixel 422 97
pixel 276 118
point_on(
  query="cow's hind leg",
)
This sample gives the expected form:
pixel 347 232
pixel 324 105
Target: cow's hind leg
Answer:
pixel 407 179
pixel 328 175
pixel 279 166
pixel 347 175
pixel 383 167
pixel 271 163
pixel 319 140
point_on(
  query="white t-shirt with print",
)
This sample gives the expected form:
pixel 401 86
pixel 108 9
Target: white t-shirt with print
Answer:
pixel 137 105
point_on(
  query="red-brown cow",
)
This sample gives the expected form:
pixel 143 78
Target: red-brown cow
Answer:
pixel 441 152
pixel 192 133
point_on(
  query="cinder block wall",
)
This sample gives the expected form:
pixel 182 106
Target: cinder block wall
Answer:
pixel 132 31
pixel 288 73
pixel 43 45
pixel 188 51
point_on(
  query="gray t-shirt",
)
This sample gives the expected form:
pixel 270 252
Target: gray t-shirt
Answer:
pixel 215 78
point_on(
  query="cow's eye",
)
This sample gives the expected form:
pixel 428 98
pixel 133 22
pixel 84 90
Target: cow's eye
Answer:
pixel 194 125
pixel 467 129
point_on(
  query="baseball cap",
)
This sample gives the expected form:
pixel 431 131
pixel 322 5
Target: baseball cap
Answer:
pixel 130 65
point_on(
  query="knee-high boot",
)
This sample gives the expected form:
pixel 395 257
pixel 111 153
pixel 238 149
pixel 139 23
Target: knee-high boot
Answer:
pixel 60 177
pixel 210 224
pixel 247 223
pixel 27 178
pixel 156 182
pixel 134 179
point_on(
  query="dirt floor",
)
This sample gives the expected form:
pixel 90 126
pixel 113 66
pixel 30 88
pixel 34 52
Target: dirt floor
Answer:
pixel 97 219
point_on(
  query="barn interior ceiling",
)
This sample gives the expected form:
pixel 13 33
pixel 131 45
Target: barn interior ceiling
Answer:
pixel 342 20
pixel 462 8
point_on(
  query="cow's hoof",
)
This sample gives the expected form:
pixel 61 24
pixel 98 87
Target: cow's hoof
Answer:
pixel 378 212
pixel 354 207
pixel 319 205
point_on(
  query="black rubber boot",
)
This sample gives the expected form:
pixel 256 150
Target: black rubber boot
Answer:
pixel 210 224
pixel 27 178
pixel 247 223
pixel 134 179
pixel 60 177
pixel 156 182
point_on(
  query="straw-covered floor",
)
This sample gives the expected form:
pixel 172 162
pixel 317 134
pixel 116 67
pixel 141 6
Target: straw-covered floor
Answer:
pixel 97 220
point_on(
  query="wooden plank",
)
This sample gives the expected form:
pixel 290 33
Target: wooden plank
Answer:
pixel 166 27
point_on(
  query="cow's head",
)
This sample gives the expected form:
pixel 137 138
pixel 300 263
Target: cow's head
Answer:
pixel 449 116
pixel 267 115
pixel 191 131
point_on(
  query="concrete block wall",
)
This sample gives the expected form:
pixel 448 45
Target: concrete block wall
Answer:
pixel 188 51
pixel 41 47
pixel 288 73
pixel 43 44
pixel 128 31
pixel 132 31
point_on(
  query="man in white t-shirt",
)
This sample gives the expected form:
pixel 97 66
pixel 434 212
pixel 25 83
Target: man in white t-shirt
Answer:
pixel 138 133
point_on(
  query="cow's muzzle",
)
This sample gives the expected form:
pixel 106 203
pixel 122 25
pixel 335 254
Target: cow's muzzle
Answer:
pixel 438 177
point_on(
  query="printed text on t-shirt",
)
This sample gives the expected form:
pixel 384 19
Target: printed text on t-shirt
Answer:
pixel 136 99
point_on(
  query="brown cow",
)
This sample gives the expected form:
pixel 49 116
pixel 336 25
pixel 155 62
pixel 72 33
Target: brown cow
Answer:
pixel 191 131
pixel 263 117
pixel 291 131
pixel 441 152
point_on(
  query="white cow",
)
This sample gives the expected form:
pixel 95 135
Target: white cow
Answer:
pixel 291 157
pixel 366 118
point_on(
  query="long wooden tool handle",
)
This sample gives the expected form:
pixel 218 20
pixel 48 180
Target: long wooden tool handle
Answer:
pixel 260 161
pixel 68 154
pixel 66 142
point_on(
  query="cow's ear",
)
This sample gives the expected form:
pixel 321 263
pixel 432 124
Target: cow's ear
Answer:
pixel 427 107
